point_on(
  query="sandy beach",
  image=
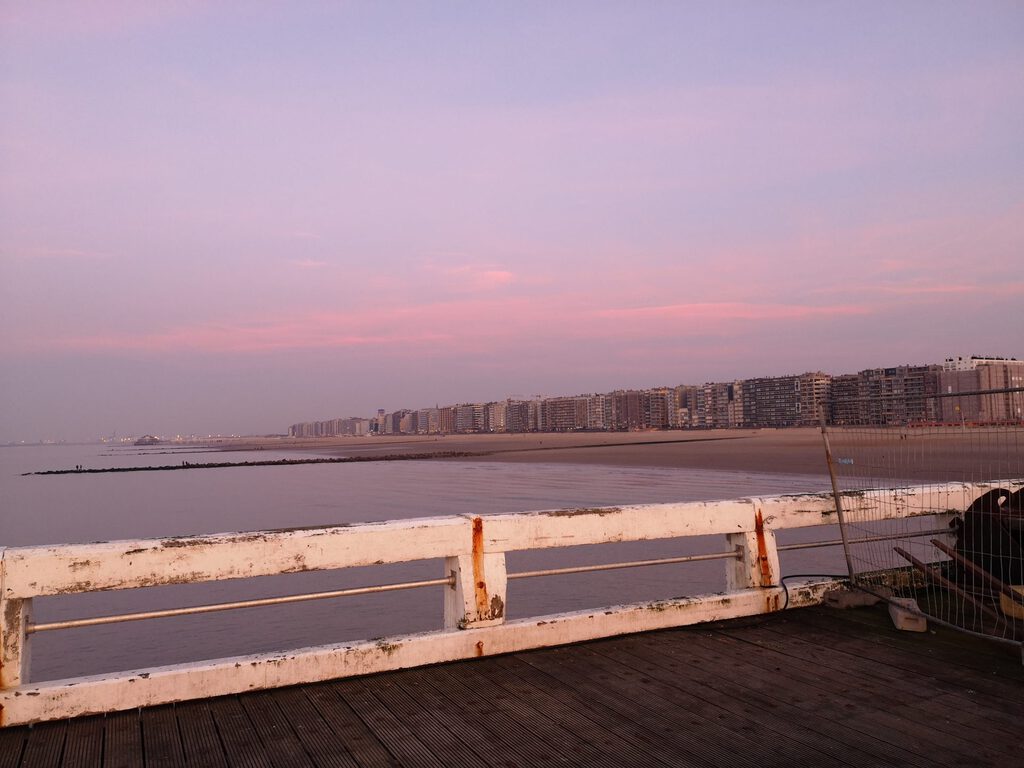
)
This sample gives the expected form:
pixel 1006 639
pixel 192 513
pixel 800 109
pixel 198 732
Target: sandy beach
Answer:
pixel 924 455
pixel 787 451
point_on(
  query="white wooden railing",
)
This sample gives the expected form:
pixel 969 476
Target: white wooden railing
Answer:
pixel 474 584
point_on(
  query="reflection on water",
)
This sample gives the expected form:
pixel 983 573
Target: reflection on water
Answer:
pixel 79 508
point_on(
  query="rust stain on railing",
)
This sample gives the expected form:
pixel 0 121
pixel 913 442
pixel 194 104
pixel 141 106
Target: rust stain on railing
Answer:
pixel 479 580
pixel 762 551
pixel 487 607
pixel 771 602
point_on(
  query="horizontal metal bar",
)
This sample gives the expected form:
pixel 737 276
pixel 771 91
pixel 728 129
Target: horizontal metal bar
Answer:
pixel 863 540
pixel 614 566
pixel 73 623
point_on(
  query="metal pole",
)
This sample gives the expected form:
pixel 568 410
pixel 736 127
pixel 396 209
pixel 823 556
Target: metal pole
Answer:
pixel 839 502
pixel 196 609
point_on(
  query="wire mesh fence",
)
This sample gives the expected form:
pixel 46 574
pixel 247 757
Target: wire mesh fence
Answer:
pixel 970 576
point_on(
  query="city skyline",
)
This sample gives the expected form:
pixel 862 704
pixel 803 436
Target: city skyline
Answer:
pixel 883 395
pixel 210 214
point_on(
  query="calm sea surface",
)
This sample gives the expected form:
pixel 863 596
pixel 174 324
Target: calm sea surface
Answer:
pixel 83 508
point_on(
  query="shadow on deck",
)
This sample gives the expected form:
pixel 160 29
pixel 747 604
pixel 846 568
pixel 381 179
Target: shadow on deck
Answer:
pixel 808 687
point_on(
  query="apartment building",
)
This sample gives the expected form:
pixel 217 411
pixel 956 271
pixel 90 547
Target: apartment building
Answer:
pixel 977 374
pixel 785 401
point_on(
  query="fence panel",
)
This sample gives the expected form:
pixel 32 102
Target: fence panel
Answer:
pixel 970 576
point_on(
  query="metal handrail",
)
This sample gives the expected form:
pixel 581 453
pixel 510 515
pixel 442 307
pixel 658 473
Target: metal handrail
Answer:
pixel 449 581
pixel 74 623
pixel 864 539
pixel 614 566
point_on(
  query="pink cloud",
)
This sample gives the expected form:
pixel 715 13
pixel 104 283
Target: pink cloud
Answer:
pixel 474 277
pixel 243 339
pixel 492 278
pixel 732 311
pixel 459 326
pixel 913 289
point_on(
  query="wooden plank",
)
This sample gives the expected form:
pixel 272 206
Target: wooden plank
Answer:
pixel 954 648
pixel 963 658
pixel 770 688
pixel 878 712
pixel 399 740
pixel 948 702
pixel 199 739
pixel 695 737
pixel 577 735
pixel 449 746
pixel 758 695
pixel 45 745
pixel 749 736
pixel 83 747
pixel 367 751
pixel 651 745
pixel 322 744
pixel 466 680
pixel 514 676
pixel 910 655
pixel 161 739
pixel 275 732
pixel 807 679
pixel 499 741
pixel 122 747
pixel 242 745
pixel 752 733
pixel 12 744
pixel 911 733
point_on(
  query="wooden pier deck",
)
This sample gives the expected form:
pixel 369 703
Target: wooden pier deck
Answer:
pixel 808 687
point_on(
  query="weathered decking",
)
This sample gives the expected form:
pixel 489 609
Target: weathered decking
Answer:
pixel 807 687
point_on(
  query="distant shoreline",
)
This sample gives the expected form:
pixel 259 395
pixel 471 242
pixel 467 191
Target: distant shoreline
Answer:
pixel 797 451
pixel 923 455
pixel 790 451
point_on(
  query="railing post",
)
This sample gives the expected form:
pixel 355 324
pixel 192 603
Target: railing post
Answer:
pixel 758 561
pixel 477 595
pixel 15 614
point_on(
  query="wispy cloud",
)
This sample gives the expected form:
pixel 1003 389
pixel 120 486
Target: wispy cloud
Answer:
pixel 475 325
pixel 473 277
pixel 732 311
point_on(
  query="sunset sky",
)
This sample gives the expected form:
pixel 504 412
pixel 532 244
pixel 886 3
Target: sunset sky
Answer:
pixel 229 217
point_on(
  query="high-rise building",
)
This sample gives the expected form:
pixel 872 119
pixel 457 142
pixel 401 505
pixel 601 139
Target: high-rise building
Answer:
pixel 785 401
pixel 497 417
pixel 995 377
pixel 627 410
pixel 518 416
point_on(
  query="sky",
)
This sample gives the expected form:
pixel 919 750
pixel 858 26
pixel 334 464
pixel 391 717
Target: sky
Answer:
pixel 231 217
